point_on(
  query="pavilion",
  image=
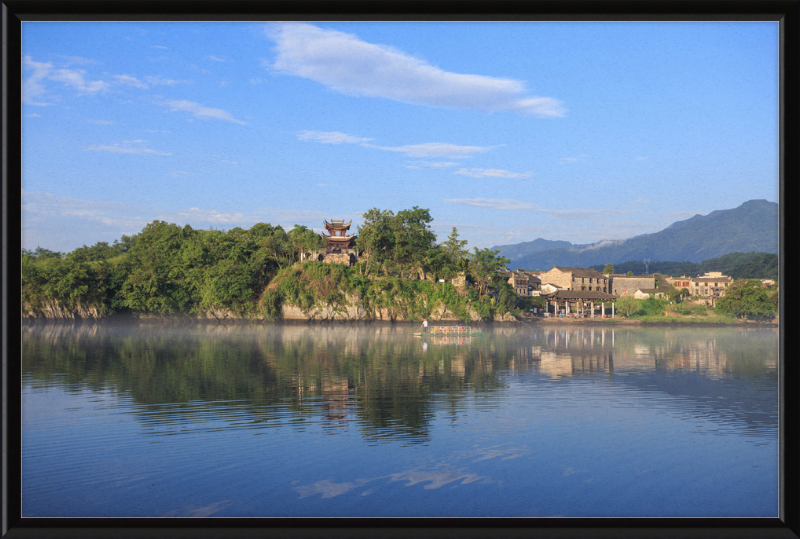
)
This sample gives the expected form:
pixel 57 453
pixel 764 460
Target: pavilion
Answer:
pixel 583 300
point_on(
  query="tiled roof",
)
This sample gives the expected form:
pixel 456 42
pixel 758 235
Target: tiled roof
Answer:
pixel 580 272
pixel 724 279
pixel 580 294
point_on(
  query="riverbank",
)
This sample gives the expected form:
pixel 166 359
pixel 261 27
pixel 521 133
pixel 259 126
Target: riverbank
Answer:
pixel 665 321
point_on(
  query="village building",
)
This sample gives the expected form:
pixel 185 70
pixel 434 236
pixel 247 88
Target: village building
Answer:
pixel 338 250
pixel 625 285
pixel 524 284
pixel 710 286
pixel 576 279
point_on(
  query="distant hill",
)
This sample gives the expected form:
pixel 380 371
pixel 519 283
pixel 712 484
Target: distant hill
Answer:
pixel 752 227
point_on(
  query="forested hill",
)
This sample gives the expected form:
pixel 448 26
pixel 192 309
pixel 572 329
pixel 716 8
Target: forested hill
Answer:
pixel 403 273
pixel 752 227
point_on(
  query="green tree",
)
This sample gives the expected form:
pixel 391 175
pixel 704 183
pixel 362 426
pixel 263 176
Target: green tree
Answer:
pixel 627 305
pixel 484 266
pixel 629 274
pixel 746 298
pixel 609 268
pixel 375 237
pixel 413 238
pixel 456 251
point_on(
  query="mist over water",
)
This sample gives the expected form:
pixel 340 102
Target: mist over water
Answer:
pixel 367 420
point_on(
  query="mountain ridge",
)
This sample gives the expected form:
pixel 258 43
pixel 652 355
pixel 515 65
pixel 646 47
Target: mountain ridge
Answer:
pixel 751 227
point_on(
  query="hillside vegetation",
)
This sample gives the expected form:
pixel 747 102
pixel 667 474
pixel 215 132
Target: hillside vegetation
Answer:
pixel 171 270
pixel 736 265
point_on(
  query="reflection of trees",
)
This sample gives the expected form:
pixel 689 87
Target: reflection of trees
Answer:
pixel 387 382
pixel 376 375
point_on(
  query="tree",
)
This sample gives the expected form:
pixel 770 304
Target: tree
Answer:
pixel 484 265
pixel 413 237
pixel 746 298
pixel 375 237
pixel 455 249
pixel 627 305
pixel 609 268
pixel 629 274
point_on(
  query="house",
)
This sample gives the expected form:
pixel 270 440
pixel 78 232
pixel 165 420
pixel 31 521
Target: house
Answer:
pixel 710 286
pixel 625 285
pixel 578 279
pixel 524 284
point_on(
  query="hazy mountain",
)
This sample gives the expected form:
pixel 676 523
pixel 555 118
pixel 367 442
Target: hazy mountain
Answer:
pixel 752 227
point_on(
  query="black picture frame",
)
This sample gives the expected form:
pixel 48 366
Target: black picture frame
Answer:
pixel 16 11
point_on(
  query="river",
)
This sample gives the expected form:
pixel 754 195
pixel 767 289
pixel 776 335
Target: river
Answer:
pixel 366 420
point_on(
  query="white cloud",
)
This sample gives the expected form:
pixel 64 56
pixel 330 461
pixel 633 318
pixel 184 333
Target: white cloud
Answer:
pixel 199 111
pixel 33 115
pixel 434 149
pixel 431 164
pixel 101 122
pixel 351 66
pixel 130 81
pixel 158 47
pixel 216 58
pixel 494 203
pixel 34 88
pixel 640 158
pixel 491 173
pixel 148 81
pixel 330 137
pixel 516 205
pixel 126 148
pixel 577 159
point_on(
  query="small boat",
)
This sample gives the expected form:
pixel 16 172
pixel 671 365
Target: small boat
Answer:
pixel 446 331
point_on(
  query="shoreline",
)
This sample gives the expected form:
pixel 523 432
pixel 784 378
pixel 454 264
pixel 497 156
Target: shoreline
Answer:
pixel 127 319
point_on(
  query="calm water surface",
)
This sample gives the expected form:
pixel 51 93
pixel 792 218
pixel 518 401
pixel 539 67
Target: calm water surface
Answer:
pixel 345 420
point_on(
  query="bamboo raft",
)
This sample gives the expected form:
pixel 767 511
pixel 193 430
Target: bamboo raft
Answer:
pixel 446 331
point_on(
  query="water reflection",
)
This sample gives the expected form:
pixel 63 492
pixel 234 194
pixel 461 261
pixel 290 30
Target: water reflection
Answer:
pixel 388 384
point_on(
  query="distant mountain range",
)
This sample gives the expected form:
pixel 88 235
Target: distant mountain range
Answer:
pixel 752 227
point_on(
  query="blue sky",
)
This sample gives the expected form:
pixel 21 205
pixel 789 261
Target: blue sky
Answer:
pixel 509 131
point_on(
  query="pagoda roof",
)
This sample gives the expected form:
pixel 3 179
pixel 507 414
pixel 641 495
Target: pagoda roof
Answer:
pixel 337 225
pixel 338 238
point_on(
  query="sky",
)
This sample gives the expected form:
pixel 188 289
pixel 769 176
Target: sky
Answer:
pixel 508 131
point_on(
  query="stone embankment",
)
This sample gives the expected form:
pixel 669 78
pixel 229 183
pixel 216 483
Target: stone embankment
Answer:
pixel 351 313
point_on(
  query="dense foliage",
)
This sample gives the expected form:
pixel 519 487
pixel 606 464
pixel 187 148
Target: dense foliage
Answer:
pixel 168 269
pixel 736 265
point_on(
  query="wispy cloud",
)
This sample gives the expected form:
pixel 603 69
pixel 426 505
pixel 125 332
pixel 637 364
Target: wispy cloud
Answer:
pixel 431 164
pixel 507 204
pixel 147 82
pixel 33 87
pixel 331 137
pixel 576 159
pixel 216 58
pixel 128 146
pixel 345 63
pixel 433 149
pixel 491 173
pixel 101 122
pixel 199 111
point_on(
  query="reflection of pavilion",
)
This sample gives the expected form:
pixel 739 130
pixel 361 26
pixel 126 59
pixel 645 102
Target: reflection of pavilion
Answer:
pixel 335 399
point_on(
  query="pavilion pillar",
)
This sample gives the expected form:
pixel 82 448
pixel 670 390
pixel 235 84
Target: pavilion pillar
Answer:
pixel 592 317
pixel 612 309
